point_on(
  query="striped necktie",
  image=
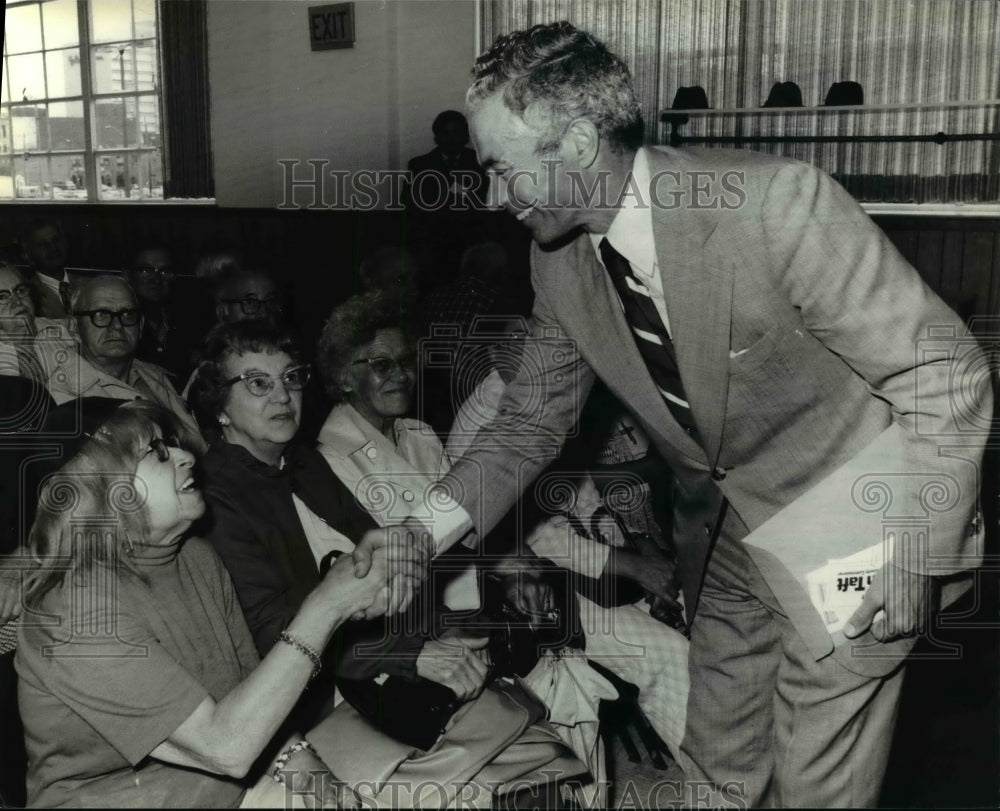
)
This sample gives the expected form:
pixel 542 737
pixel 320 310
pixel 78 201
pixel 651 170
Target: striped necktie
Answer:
pixel 651 337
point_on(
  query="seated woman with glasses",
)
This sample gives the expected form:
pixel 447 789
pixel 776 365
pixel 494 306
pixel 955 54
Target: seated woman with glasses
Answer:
pixel 277 513
pixel 267 492
pixel 148 691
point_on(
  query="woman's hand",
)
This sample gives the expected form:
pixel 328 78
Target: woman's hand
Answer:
pixel 654 571
pixel 353 595
pixel 310 778
pixel 455 662
pixel 528 593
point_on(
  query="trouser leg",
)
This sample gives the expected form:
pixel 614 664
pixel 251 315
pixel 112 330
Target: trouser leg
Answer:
pixel 833 731
pixel 734 658
pixel 768 719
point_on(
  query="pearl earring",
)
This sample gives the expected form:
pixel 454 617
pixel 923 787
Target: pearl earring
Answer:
pixel 223 420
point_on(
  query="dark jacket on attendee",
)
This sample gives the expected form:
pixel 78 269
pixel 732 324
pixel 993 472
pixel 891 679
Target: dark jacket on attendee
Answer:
pixel 252 523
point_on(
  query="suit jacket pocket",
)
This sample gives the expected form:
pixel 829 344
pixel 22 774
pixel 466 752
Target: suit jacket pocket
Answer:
pixel 743 359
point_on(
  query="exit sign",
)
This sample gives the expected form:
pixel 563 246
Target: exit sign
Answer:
pixel 331 26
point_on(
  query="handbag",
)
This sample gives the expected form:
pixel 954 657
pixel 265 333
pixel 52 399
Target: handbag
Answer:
pixel 416 711
pixel 477 739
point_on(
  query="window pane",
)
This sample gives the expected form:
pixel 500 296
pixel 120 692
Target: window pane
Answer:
pixel 144 74
pixel 112 20
pixel 3 82
pixel 63 72
pixel 31 177
pixel 6 179
pixel 115 124
pixel 148 123
pixel 145 18
pixel 6 146
pixel 60 24
pixel 66 125
pixel 25 125
pixel 68 177
pixel 125 67
pixel 22 29
pixel 149 174
pixel 119 175
pixel 27 77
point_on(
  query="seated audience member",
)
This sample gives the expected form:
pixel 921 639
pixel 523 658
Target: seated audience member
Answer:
pixel 240 294
pixel 20 330
pixel 247 293
pixel 392 269
pixel 46 252
pixel 159 697
pixel 166 338
pixel 368 360
pixel 216 254
pixel 107 322
pixel 276 509
pixel 482 277
pixel 629 639
pixel 278 515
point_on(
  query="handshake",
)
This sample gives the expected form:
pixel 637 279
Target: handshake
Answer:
pixel 383 573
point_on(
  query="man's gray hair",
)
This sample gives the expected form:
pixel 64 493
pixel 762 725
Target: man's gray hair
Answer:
pixel 562 74
pixel 79 292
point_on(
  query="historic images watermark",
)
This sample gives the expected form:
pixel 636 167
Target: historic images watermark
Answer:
pixel 312 184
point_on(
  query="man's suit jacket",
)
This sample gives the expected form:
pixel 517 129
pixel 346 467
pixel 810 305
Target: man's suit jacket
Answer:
pixel 798 330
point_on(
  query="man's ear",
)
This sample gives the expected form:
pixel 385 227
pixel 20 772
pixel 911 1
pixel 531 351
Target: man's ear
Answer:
pixel 583 142
pixel 72 326
pixel 220 313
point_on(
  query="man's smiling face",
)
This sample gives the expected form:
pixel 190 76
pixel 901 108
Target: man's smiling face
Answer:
pixel 533 188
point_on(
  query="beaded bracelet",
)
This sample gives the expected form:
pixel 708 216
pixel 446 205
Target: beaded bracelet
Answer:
pixel 282 759
pixel 304 649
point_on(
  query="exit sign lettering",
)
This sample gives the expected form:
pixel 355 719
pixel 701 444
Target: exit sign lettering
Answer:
pixel 331 26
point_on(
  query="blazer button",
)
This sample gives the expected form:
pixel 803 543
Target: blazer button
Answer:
pixel 708 529
pixel 719 474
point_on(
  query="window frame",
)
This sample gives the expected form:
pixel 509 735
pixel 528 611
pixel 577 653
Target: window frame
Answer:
pixel 91 152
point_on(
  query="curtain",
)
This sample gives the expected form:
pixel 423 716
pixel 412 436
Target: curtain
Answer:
pixel 188 154
pixel 925 66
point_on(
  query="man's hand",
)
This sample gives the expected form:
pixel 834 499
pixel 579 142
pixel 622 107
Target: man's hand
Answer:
pixel 456 663
pixel 408 548
pixel 904 600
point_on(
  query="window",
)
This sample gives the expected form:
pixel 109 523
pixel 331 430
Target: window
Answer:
pixel 80 116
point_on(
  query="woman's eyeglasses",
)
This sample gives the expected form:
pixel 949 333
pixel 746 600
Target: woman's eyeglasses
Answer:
pixel 259 383
pixel 383 366
pixel 103 318
pixel 161 445
pixel 255 306
pixel 22 291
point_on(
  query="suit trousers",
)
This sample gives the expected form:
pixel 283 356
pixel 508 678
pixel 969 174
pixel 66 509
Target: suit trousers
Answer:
pixel 766 722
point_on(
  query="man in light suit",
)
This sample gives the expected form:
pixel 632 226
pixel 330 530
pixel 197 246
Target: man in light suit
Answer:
pixel 819 394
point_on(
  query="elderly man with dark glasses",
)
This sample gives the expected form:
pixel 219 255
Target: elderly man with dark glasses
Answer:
pixel 107 322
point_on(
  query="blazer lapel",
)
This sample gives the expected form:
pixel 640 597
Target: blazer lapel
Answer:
pixel 698 289
pixel 592 309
